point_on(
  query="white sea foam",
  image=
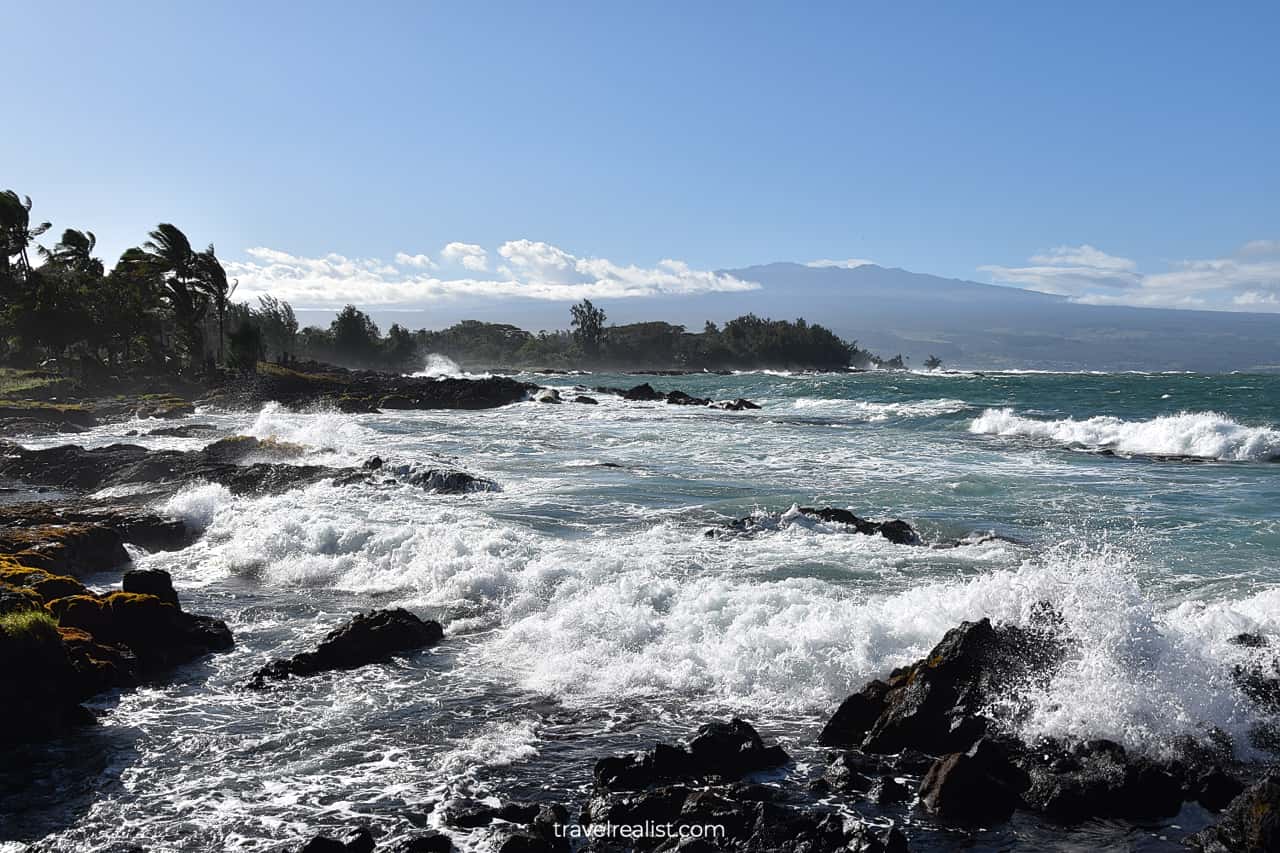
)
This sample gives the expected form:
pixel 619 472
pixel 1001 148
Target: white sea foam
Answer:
pixel 867 410
pixel 439 366
pixel 323 431
pixel 664 613
pixel 198 504
pixel 1206 435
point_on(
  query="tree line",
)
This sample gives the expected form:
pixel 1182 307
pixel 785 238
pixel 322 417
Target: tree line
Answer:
pixel 167 306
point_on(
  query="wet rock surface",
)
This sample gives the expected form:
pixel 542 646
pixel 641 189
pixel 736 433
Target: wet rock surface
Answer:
pixel 303 385
pixel 895 530
pixel 368 638
pixel 938 717
pixel 62 643
pixel 1250 824
pixel 243 464
pixel 646 393
pixel 720 750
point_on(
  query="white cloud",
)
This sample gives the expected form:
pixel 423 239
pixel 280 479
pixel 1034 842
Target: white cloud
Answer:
pixel 471 256
pixel 1249 280
pixel 848 263
pixel 1070 271
pixel 533 270
pixel 404 259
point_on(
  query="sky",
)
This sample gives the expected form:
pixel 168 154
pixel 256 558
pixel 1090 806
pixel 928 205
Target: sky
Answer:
pixel 403 154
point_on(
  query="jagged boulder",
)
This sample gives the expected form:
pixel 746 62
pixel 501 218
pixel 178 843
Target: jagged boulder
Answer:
pixel 938 704
pixel 895 530
pixel 1098 778
pixel 368 638
pixel 1250 824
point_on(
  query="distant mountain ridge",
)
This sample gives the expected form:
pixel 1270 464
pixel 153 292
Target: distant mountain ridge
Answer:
pixel 965 323
pixel 982 325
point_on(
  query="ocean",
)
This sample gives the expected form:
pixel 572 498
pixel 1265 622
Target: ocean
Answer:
pixel 588 612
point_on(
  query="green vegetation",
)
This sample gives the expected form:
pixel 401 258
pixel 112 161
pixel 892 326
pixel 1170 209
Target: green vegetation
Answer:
pixel 16 382
pixel 167 307
pixel 29 628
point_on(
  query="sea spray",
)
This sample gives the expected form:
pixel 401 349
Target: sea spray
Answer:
pixel 1204 435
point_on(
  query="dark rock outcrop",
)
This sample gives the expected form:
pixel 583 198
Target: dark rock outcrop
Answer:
pixel 424 842
pixel 224 462
pixel 155 631
pixel 644 393
pixel 134 524
pixel 61 644
pixel 1250 824
pixel 895 530
pixel 938 704
pixel 368 638
pixel 718 750
pixel 359 841
pixel 155 582
pixel 440 480
pixel 973 786
pixel 79 469
pixel 1098 778
pixel 739 405
pixel 303 385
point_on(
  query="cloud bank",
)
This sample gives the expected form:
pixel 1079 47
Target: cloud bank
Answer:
pixel 1248 280
pixel 528 270
pixel 847 263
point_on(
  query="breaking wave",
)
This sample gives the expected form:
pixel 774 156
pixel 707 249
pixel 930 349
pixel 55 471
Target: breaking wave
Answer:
pixel 1202 435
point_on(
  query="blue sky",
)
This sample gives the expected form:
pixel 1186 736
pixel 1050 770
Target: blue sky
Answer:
pixel 1113 152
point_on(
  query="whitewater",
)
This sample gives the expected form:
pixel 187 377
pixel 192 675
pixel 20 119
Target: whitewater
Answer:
pixel 587 611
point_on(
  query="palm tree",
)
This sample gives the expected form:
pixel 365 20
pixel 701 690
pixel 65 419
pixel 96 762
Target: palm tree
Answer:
pixel 75 252
pixel 213 281
pixel 169 253
pixel 16 232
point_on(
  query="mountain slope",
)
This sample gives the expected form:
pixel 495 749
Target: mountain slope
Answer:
pixel 981 325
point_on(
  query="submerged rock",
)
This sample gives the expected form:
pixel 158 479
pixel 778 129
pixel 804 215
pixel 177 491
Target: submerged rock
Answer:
pixel 368 638
pixel 547 395
pixel 183 431
pixel 441 480
pixel 679 398
pixel 739 405
pixel 895 530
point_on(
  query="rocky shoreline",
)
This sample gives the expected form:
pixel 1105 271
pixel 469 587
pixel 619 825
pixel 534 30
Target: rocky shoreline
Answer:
pixel 924 742
pixel 936 740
